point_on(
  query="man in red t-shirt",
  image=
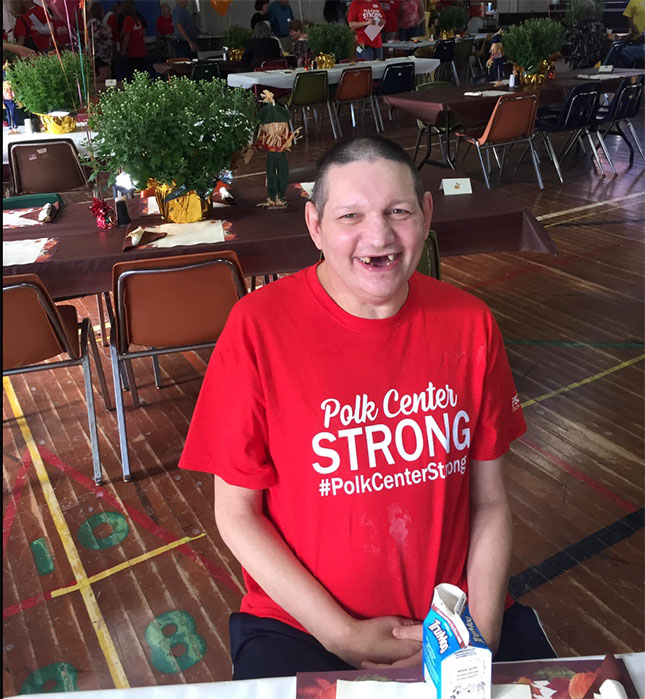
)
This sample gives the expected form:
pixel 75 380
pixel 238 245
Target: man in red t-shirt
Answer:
pixel 367 19
pixel 355 416
pixel 391 11
pixel 31 28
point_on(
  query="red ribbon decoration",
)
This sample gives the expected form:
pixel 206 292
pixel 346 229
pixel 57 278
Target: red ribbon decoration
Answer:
pixel 103 212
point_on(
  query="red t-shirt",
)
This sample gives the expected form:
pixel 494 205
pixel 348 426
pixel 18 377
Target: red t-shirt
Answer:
pixel 363 11
pixel 165 26
pixel 137 44
pixel 361 432
pixel 113 24
pixel 391 10
pixel 27 24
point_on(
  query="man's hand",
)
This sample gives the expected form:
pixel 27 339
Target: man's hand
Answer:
pixel 18 49
pixel 412 632
pixel 371 642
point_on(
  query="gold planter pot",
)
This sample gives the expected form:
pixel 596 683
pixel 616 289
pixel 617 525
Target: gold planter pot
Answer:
pixel 188 208
pixel 56 125
pixel 535 80
pixel 235 54
pixel 325 60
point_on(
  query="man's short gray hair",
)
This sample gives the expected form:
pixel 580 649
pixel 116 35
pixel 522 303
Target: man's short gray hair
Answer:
pixel 357 149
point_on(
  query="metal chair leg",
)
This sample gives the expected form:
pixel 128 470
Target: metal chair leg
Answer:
pixel 519 162
pixel 605 151
pixel 374 115
pixel 120 415
pixel 481 160
pixel 551 151
pixel 99 371
pixel 334 126
pixel 636 141
pixel 156 370
pixel 594 153
pixel 536 164
pixel 380 116
pixel 133 386
pixel 418 143
pixel 569 145
pixel 99 306
pixel 454 72
pixel 89 400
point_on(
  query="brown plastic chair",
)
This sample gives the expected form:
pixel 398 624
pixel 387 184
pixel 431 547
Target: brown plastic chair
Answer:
pixel 511 122
pixel 273 64
pixel 35 329
pixel 168 304
pixel 355 85
pixel 47 165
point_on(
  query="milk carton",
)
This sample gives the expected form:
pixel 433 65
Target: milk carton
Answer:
pixel 457 664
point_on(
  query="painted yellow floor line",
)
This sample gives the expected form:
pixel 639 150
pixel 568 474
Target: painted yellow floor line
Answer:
pixel 126 564
pixel 589 206
pixel 589 379
pixel 94 612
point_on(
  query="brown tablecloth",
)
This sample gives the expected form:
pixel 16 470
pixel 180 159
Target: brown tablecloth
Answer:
pixel 427 105
pixel 270 241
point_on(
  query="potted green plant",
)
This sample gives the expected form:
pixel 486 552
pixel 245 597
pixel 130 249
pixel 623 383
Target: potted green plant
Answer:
pixel 452 19
pixel 180 134
pixel 235 40
pixel 330 39
pixel 530 44
pixel 44 84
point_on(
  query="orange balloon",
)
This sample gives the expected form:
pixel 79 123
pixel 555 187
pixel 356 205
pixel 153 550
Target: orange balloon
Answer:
pixel 220 6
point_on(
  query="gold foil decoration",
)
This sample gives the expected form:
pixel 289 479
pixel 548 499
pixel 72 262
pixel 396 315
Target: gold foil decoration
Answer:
pixel 235 54
pixel 535 80
pixel 188 208
pixel 57 125
pixel 325 60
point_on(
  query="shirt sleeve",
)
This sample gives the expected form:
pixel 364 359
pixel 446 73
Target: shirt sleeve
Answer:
pixel 500 418
pixel 630 10
pixel 128 23
pixel 228 433
pixel 352 14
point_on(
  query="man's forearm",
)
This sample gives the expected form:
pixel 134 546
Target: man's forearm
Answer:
pixel 488 564
pixel 183 32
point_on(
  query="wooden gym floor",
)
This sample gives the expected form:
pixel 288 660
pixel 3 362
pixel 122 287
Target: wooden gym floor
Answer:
pixel 88 570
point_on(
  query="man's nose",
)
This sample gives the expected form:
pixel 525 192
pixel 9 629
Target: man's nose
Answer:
pixel 379 230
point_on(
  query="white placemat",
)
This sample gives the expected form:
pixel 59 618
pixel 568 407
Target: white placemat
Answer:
pixel 197 233
pixel 15 218
pixel 22 252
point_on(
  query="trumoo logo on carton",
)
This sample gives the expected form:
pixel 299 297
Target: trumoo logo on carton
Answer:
pixel 457 663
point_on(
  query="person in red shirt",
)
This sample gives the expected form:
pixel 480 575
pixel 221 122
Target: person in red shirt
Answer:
pixel 133 44
pixel 164 25
pixel 31 28
pixel 363 14
pixel 391 10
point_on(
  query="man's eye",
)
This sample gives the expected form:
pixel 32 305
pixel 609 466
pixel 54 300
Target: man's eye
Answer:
pixel 348 216
pixel 399 212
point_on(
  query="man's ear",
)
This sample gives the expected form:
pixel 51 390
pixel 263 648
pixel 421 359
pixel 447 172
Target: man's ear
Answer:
pixel 427 212
pixel 313 223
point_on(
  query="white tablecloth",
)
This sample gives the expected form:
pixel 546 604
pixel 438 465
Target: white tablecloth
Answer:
pixel 272 688
pixel 79 137
pixel 411 45
pixel 285 78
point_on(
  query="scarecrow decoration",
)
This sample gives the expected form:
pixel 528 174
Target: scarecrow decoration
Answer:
pixel 8 103
pixel 276 138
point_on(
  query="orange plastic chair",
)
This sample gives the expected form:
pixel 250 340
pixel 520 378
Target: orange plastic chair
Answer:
pixel 167 304
pixel 35 329
pixel 355 85
pixel 511 122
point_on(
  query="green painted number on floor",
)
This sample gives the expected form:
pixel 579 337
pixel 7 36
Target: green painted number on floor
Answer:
pixel 174 643
pixel 57 677
pixel 42 556
pixel 119 530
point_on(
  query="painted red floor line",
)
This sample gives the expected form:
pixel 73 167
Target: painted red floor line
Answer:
pixel 555 262
pixel 140 518
pixel 582 477
pixel 25 604
pixel 12 507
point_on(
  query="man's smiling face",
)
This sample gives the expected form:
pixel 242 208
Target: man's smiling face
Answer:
pixel 371 232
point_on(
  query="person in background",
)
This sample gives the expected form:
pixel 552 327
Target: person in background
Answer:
pixel 261 12
pixel 411 13
pixel 31 28
pixel 391 8
pixel 134 44
pixel 164 26
pixel 586 38
pixel 186 31
pixel 114 20
pixel 300 47
pixel 363 13
pixel 101 36
pixel 475 25
pixel 18 49
pixel 335 11
pixel 280 15
pixel 633 54
pixel 262 47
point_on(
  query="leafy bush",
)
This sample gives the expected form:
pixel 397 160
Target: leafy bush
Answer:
pixel 180 132
pixel 43 85
pixel 332 38
pixel 236 37
pixel 532 41
pixel 576 10
pixel 453 18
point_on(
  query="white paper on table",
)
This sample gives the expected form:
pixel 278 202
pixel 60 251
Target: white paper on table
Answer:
pixel 373 30
pixel 511 691
pixel 199 233
pixel 494 93
pixel 308 188
pixel 22 252
pixel 370 689
pixel 153 206
pixel 16 218
pixel 612 689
